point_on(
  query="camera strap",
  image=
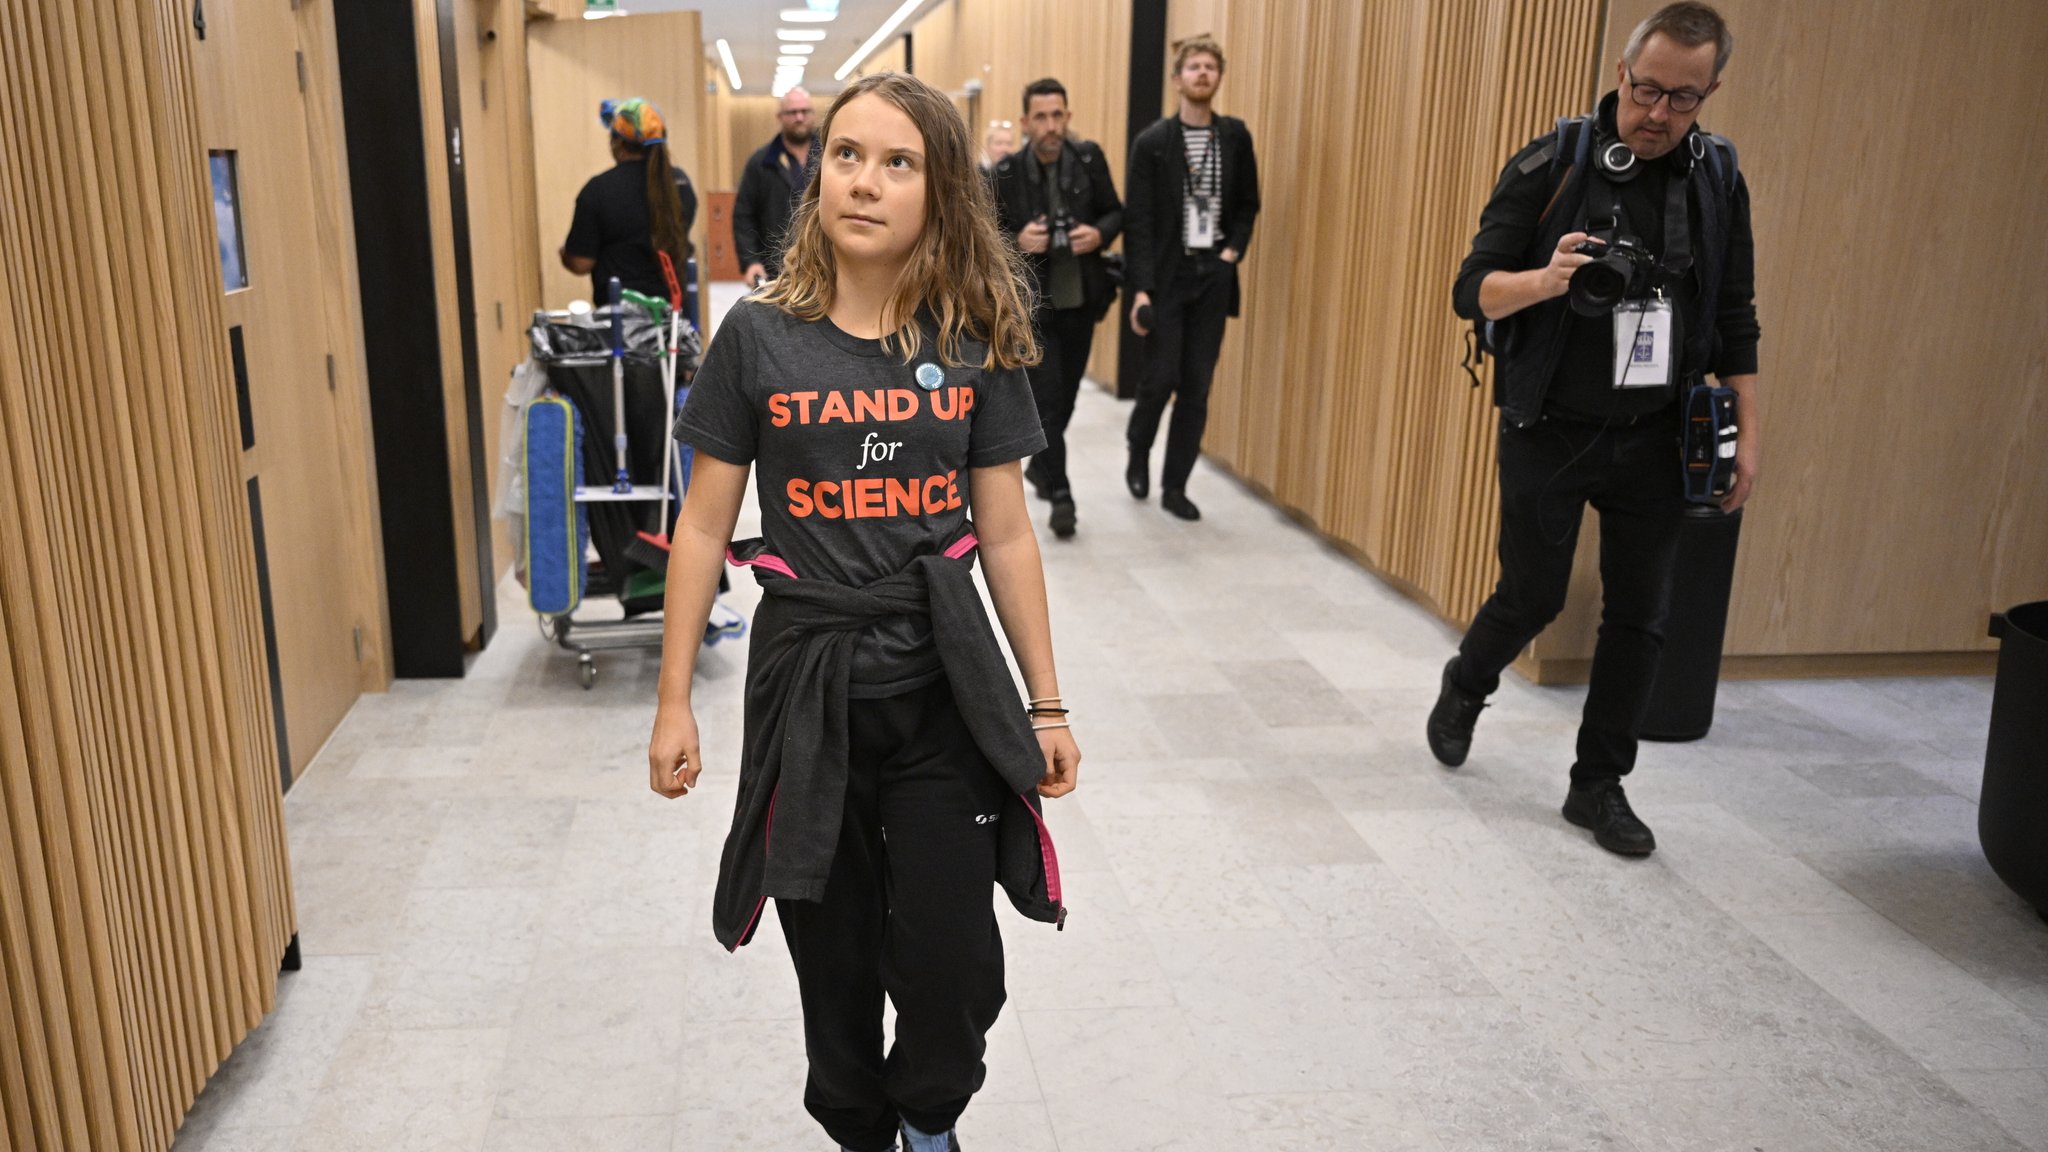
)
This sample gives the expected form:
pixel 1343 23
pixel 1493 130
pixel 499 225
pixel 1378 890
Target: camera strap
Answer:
pixel 1603 219
pixel 1677 257
pixel 1603 212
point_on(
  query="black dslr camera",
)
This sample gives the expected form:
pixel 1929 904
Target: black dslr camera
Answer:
pixel 1620 270
pixel 1059 228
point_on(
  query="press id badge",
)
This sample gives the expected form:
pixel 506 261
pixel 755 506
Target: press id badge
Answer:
pixel 1642 344
pixel 1201 222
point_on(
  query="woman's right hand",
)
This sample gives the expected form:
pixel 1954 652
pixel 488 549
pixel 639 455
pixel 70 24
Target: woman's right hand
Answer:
pixel 673 761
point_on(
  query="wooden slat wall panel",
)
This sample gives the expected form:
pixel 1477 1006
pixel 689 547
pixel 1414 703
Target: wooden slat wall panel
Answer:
pixel 1085 44
pixel 1339 392
pixel 571 66
pixel 144 872
pixel 1905 348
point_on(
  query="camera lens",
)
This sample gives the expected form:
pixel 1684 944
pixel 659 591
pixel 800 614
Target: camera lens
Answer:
pixel 1600 284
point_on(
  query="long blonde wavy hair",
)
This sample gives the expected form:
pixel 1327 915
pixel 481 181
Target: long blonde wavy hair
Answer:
pixel 963 271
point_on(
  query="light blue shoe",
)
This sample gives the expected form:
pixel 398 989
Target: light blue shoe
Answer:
pixel 916 1141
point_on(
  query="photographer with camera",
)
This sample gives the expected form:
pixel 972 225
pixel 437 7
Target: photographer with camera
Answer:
pixel 1194 185
pixel 1057 199
pixel 1613 270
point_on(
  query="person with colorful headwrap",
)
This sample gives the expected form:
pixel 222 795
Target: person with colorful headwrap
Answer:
pixel 642 205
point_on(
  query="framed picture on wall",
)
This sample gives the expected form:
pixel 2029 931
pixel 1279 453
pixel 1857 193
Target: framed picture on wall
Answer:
pixel 227 221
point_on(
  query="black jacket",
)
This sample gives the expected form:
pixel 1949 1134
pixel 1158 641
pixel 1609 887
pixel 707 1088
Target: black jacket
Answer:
pixel 1090 195
pixel 1155 183
pixel 1541 196
pixel 793 763
pixel 761 211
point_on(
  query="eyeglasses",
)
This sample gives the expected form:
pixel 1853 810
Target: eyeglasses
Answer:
pixel 787 113
pixel 1000 124
pixel 1647 95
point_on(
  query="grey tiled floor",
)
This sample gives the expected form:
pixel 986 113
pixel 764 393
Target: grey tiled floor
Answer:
pixel 1291 928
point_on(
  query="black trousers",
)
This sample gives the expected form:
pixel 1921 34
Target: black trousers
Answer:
pixel 1188 316
pixel 909 913
pixel 1065 337
pixel 1549 472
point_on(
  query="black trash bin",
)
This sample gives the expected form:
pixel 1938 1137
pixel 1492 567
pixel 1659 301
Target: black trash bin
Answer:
pixel 2012 813
pixel 1682 700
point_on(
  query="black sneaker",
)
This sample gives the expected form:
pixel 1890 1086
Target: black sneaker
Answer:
pixel 1138 477
pixel 1063 517
pixel 1604 809
pixel 1177 502
pixel 1451 721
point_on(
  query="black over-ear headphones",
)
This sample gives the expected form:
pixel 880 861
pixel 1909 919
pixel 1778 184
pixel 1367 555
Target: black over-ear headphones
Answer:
pixel 1619 164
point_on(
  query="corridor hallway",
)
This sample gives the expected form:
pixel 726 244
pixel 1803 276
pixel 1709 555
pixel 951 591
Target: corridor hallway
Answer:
pixel 1290 927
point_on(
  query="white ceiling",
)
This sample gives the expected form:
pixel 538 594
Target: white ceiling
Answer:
pixel 749 26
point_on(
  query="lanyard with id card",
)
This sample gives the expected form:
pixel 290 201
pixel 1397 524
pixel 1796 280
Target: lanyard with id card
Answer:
pixel 1199 209
pixel 1643 332
pixel 1201 223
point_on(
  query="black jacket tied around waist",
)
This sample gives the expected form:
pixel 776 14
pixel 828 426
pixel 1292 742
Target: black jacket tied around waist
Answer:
pixel 794 759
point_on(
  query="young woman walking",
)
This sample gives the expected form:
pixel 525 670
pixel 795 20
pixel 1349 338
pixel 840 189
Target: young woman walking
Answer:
pixel 891 776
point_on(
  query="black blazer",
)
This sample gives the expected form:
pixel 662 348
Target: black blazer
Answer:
pixel 1090 194
pixel 761 211
pixel 1156 179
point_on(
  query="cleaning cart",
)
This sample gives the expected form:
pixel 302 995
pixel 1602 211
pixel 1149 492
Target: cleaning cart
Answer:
pixel 600 477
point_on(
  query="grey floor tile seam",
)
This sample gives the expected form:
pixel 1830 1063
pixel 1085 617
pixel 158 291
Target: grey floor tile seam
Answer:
pixel 1953 970
pixel 1037 1080
pixel 1946 953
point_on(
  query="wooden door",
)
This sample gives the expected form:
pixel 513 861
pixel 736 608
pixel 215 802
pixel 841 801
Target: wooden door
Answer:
pixel 303 474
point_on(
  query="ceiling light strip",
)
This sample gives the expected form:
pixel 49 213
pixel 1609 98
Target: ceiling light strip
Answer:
pixel 881 35
pixel 732 70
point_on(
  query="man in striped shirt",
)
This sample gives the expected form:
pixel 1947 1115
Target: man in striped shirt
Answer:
pixel 1194 195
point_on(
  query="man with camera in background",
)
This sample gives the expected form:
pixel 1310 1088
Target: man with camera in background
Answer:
pixel 1057 199
pixel 1193 180
pixel 1615 265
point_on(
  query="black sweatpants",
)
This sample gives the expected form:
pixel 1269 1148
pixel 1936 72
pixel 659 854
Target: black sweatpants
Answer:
pixel 1188 315
pixel 1065 337
pixel 1549 472
pixel 909 912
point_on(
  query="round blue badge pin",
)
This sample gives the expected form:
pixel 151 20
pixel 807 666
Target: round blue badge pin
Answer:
pixel 930 376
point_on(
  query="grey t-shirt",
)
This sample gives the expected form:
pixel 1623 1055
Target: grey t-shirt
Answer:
pixel 859 465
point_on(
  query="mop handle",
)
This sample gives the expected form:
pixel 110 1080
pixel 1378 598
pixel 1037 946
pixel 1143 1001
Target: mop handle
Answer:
pixel 675 287
pixel 675 348
pixel 623 482
pixel 668 387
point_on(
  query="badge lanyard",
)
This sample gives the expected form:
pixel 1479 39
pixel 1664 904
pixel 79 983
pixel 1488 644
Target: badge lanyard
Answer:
pixel 1200 212
pixel 1642 343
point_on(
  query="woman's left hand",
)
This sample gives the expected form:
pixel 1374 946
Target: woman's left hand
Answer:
pixel 1062 762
